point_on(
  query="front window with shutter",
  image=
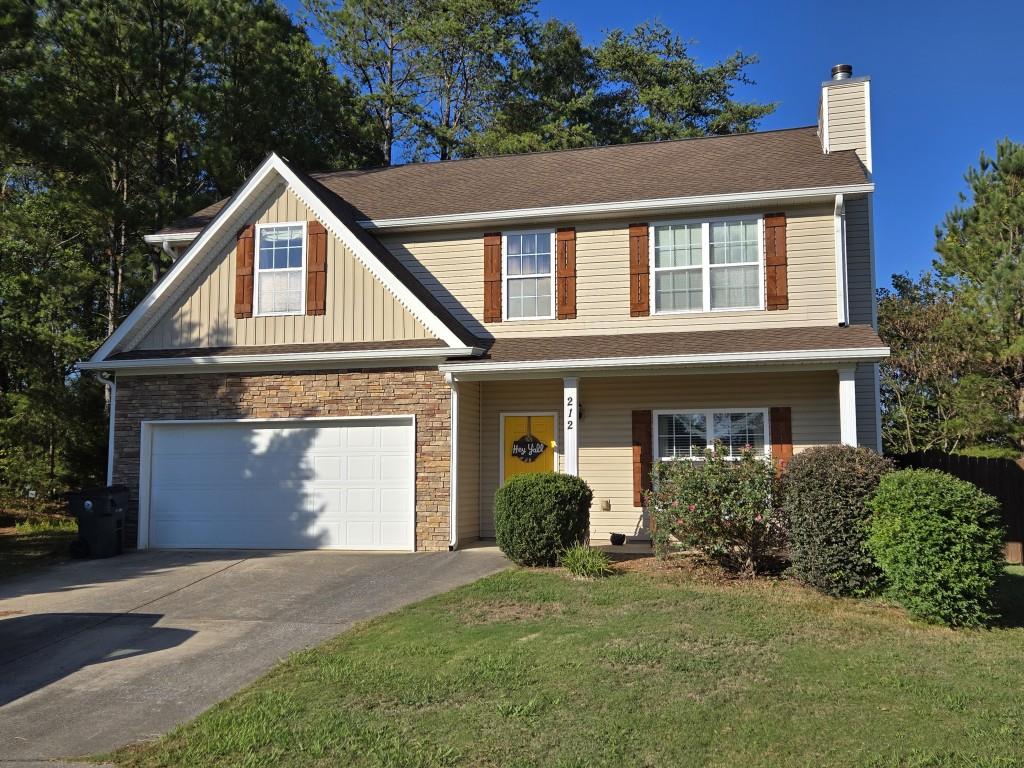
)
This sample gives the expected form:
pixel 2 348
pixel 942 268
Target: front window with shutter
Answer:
pixel 686 434
pixel 529 275
pixel 703 266
pixel 280 269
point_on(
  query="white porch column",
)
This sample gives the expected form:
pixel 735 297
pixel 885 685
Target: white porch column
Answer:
pixel 848 406
pixel 570 425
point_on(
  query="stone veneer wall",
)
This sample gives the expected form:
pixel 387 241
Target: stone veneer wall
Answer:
pixel 420 392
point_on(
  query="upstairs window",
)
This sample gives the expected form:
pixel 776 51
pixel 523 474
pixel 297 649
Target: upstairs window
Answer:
pixel 529 275
pixel 280 269
pixel 703 266
pixel 685 435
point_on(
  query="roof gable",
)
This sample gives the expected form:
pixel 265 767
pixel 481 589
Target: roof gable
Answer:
pixel 240 209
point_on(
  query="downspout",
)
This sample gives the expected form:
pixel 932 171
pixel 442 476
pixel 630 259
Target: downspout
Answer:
pixel 842 292
pixel 171 253
pixel 111 385
pixel 453 506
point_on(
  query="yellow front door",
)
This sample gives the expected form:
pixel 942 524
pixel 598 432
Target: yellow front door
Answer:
pixel 529 445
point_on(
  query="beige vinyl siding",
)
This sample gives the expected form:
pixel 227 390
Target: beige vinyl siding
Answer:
pixel 496 398
pixel 848 118
pixel 467 497
pixel 867 407
pixel 452 266
pixel 359 308
pixel 606 406
pixel 859 267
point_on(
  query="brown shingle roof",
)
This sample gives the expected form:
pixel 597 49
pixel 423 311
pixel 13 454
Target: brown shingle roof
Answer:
pixel 527 349
pixel 750 162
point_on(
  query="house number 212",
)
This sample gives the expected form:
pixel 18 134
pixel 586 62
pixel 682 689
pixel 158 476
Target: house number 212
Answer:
pixel 569 415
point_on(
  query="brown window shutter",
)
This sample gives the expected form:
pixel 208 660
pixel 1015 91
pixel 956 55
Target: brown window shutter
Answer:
pixel 565 272
pixel 245 246
pixel 776 277
pixel 492 277
pixel 641 455
pixel 316 268
pixel 781 433
pixel 639 271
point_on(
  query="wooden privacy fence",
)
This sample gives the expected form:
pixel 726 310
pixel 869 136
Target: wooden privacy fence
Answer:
pixel 1002 478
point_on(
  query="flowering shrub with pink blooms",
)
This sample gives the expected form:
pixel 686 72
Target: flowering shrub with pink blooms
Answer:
pixel 728 509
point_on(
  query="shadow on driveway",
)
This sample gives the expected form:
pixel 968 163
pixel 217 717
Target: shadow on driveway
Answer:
pixel 105 637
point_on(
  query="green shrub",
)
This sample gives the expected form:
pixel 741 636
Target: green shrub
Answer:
pixel 725 509
pixel 825 493
pixel 537 516
pixel 939 542
pixel 585 562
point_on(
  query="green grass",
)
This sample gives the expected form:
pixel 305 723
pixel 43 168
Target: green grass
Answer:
pixel 29 539
pixel 530 668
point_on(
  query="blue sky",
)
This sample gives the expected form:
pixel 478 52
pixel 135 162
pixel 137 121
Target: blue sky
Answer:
pixel 947 81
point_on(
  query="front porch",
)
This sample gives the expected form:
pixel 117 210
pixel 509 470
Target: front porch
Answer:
pixel 604 425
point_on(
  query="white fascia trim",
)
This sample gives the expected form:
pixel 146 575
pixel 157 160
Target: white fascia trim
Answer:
pixel 169 280
pixel 171 238
pixel 292 359
pixel 862 354
pixel 274 164
pixel 626 206
pixel 405 297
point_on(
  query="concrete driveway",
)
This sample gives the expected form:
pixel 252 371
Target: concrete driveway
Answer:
pixel 97 654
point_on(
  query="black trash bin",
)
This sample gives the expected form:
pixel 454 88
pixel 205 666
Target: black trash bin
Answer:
pixel 100 513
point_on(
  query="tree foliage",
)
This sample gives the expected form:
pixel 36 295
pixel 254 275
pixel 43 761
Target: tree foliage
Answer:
pixel 955 380
pixel 119 116
pixel 475 77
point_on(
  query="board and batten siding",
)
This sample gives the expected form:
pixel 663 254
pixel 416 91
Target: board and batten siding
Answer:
pixel 359 308
pixel 859 264
pixel 451 264
pixel 605 437
pixel 467 493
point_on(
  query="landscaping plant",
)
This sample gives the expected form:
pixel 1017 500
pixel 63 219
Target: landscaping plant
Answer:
pixel 724 508
pixel 585 562
pixel 825 493
pixel 538 516
pixel 939 542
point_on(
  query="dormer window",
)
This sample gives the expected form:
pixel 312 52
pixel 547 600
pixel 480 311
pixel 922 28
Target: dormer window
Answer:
pixel 529 275
pixel 280 269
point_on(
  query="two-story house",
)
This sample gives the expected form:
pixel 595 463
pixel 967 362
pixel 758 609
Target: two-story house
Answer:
pixel 359 359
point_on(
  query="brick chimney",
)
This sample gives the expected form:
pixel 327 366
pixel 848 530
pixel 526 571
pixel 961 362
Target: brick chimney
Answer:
pixel 844 114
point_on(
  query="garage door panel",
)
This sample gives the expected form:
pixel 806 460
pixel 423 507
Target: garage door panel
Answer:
pixel 246 485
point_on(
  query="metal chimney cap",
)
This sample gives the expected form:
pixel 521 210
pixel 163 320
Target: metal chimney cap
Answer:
pixel 842 71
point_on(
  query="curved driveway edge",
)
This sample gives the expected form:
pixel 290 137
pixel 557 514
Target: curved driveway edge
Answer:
pixel 101 653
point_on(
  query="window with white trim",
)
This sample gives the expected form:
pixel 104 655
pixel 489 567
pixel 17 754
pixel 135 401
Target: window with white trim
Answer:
pixel 686 434
pixel 701 266
pixel 528 272
pixel 280 269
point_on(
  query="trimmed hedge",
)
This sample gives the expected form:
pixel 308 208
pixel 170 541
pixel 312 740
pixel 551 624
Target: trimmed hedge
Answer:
pixel 825 493
pixel 939 542
pixel 538 516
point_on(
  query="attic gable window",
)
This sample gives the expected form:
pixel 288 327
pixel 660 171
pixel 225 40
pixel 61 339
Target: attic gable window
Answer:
pixel 280 269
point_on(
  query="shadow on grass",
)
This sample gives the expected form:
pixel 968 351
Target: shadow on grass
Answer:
pixel 1010 598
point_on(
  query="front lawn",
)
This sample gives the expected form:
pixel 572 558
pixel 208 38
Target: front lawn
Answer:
pixel 674 668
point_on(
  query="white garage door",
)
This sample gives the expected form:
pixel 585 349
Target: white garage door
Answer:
pixel 281 485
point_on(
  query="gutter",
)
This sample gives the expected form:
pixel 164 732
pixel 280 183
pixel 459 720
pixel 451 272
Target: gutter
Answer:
pixel 621 207
pixel 291 360
pixel 584 209
pixel 852 355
